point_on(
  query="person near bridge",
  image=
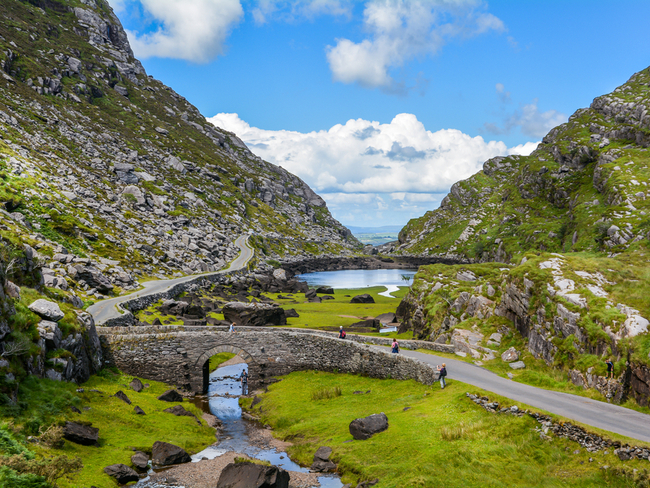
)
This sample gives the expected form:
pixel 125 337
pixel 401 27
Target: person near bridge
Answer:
pixel 244 382
pixel 341 333
pixel 442 374
pixel 395 347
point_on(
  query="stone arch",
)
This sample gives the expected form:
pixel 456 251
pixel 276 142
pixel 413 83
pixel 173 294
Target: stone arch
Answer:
pixel 203 363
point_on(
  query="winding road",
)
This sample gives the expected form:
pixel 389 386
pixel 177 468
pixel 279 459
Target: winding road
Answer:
pixel 107 309
pixel 601 415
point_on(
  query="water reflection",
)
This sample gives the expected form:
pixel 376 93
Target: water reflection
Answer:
pixel 361 278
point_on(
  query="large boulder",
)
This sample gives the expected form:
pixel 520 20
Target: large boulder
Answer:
pixel 47 310
pixel 250 475
pixel 254 314
pixel 122 473
pixel 322 461
pixel 325 290
pixel 387 318
pixel 164 454
pixel 365 298
pixel 92 276
pixel 136 385
pixel 364 428
pixel 171 396
pixel 510 355
pixel 50 333
pixel 81 434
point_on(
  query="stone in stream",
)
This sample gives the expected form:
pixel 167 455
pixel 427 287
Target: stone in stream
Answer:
pixel 164 454
pixel 136 385
pixel 250 475
pixel 322 461
pixel 171 396
pixel 140 460
pixel 364 428
pixel 138 411
pixel 122 396
pixel 365 298
pixel 122 473
pixel 81 434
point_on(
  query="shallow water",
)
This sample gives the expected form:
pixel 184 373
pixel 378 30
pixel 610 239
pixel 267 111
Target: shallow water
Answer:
pixel 359 278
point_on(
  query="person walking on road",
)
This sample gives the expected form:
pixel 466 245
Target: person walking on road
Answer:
pixel 232 327
pixel 442 373
pixel 395 347
pixel 341 333
pixel 610 368
pixel 244 382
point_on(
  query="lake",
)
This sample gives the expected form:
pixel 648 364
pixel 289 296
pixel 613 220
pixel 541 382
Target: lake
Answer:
pixel 360 278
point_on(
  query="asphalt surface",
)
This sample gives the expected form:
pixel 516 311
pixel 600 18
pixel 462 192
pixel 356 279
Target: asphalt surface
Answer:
pixel 601 415
pixel 106 309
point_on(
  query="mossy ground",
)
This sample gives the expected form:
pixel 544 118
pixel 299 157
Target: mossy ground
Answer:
pixel 442 439
pixel 121 431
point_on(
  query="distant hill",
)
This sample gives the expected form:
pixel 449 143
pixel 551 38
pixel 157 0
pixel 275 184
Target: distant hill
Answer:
pixel 376 235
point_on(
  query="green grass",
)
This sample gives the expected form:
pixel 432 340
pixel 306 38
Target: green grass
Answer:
pixel 330 314
pixel 120 430
pixel 442 439
pixel 218 359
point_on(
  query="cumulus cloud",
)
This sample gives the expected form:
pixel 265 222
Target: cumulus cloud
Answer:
pixel 361 156
pixel 194 30
pixel 267 10
pixel 401 30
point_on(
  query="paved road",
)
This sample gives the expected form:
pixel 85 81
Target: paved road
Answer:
pixel 602 415
pixel 106 309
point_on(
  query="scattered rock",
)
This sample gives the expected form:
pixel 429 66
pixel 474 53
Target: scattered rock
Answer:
pixel 138 411
pixel 254 314
pixel 510 355
pixel 136 385
pixel 325 290
pixel 365 298
pixel 250 475
pixel 322 462
pixel 171 396
pixel 164 454
pixel 122 396
pixel 122 473
pixel 140 460
pixel 517 365
pixel 81 434
pixel 365 428
pixel 179 411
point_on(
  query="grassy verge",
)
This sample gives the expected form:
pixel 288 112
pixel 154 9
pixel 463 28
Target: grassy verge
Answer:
pixel 121 431
pixel 218 359
pixel 453 442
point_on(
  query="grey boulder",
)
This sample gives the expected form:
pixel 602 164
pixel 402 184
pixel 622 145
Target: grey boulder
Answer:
pixel 164 454
pixel 365 298
pixel 81 434
pixel 47 310
pixel 510 355
pixel 122 473
pixel 322 461
pixel 517 365
pixel 250 475
pixel 140 460
pixel 364 428
pixel 136 385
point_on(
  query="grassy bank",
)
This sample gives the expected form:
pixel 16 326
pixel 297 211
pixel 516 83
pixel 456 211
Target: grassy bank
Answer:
pixel 452 442
pixel 45 403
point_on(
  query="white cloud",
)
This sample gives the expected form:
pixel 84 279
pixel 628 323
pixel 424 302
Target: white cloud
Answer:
pixel 194 30
pixel 401 30
pixel 368 157
pixel 118 5
pixel 268 10
pixel 528 118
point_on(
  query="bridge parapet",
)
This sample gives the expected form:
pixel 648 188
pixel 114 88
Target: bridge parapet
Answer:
pixel 179 354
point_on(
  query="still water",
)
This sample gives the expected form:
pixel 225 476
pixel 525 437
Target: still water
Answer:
pixel 361 278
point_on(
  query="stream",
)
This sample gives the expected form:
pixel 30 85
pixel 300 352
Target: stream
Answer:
pixel 222 401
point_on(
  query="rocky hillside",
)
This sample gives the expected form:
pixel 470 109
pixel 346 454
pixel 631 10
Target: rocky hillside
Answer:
pixel 109 175
pixel 585 188
pixel 559 241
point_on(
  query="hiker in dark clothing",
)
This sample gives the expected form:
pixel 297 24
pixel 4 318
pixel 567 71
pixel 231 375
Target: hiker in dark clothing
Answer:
pixel 341 333
pixel 442 373
pixel 244 382
pixel 610 368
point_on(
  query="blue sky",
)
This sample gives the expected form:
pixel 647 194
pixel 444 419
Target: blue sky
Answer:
pixel 381 105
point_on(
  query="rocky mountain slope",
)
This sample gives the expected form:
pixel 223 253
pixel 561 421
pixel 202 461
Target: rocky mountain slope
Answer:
pixel 570 224
pixel 585 188
pixel 109 175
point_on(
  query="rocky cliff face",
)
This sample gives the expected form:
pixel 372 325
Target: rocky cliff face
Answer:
pixel 110 175
pixel 585 188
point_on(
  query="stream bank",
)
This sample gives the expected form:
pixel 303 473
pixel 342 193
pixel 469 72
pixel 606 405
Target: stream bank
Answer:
pixel 238 437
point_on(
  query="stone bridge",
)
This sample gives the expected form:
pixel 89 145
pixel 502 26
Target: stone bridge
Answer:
pixel 180 355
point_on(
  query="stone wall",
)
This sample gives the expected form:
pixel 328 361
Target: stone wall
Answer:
pixel 177 354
